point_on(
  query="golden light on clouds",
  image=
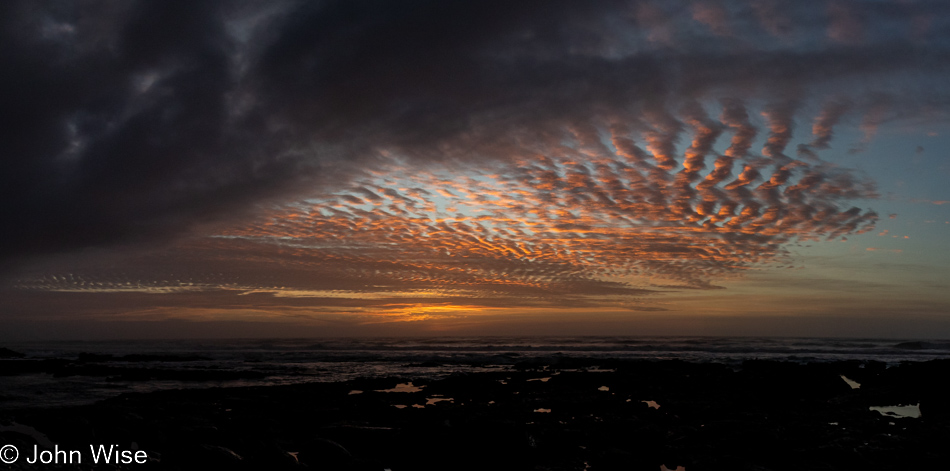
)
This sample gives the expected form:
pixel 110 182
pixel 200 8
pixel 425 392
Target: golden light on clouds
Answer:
pixel 581 220
pixel 583 157
pixel 597 218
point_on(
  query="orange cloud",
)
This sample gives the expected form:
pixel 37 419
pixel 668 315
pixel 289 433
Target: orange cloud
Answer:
pixel 587 219
pixel 878 249
pixel 593 213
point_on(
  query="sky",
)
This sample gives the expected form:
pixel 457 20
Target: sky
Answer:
pixel 186 169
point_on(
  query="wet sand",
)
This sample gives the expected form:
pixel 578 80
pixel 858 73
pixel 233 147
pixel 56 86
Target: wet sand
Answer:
pixel 622 415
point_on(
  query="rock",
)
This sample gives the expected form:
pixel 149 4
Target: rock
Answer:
pixel 767 415
pixel 321 453
pixel 7 353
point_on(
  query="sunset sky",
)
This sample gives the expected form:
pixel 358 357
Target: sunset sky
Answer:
pixel 419 167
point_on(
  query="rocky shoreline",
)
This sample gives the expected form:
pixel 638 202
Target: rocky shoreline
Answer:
pixel 570 415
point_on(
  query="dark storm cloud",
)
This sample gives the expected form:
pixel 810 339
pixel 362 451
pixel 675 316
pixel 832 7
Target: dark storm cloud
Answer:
pixel 122 120
pixel 121 130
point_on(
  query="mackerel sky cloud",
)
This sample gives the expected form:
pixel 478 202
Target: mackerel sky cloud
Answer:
pixel 463 164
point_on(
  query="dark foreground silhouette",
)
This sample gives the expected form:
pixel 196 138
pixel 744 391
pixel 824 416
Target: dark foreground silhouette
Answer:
pixel 626 415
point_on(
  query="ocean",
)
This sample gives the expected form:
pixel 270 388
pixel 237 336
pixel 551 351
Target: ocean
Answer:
pixel 75 373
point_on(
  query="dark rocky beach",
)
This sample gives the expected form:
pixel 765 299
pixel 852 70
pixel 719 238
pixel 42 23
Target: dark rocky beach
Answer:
pixel 565 415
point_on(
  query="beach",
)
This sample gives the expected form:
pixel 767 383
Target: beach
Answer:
pixel 552 412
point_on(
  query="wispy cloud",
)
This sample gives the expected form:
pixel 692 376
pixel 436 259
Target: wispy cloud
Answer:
pixel 590 219
pixel 879 249
pixel 353 155
pixel 154 117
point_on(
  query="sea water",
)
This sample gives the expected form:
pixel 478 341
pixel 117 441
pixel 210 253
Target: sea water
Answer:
pixel 292 361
